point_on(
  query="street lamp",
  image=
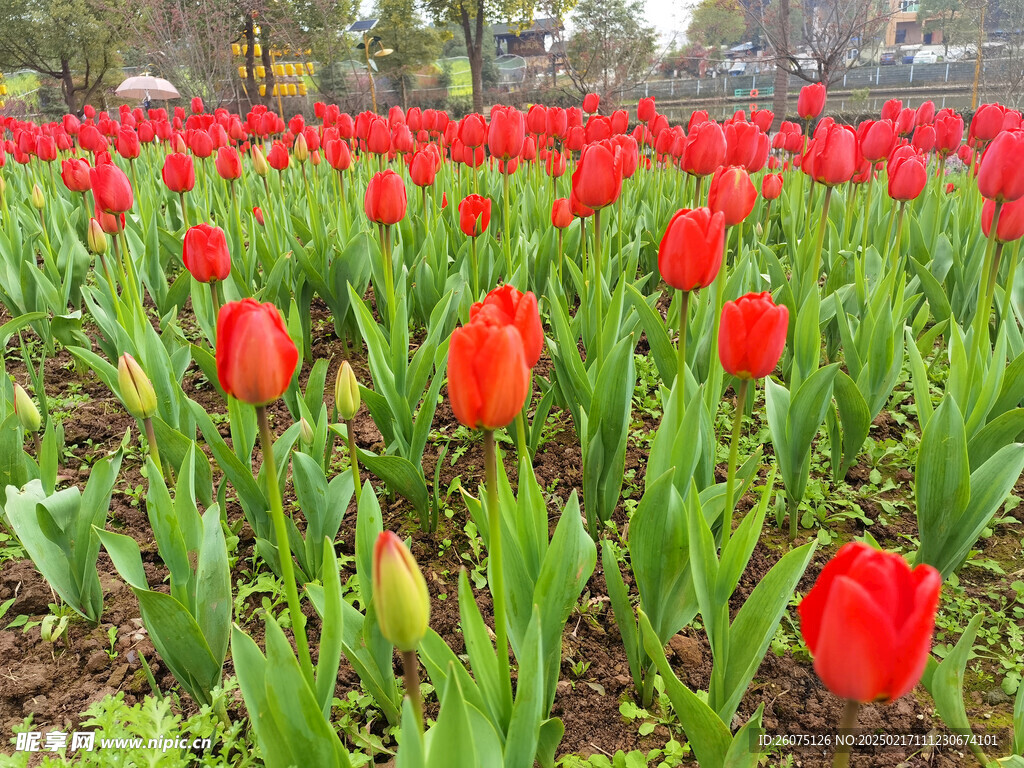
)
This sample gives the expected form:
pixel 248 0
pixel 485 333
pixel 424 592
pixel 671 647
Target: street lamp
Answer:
pixel 366 46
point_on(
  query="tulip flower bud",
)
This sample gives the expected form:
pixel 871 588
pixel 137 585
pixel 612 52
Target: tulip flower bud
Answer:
pixel 97 238
pixel 305 432
pixel 259 162
pixel 300 150
pixel 3 186
pixel 346 392
pixel 137 391
pixel 26 410
pixel 38 199
pixel 399 593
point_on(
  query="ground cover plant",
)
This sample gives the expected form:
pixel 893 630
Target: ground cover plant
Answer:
pixel 537 438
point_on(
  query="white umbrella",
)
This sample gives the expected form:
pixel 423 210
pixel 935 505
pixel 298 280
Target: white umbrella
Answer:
pixel 147 87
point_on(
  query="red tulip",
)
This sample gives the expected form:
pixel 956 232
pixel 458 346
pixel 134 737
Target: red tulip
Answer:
pixel 201 143
pixel 891 110
pixel 771 186
pixel 507 306
pixel 205 253
pixel 46 148
pixel 557 122
pixel 908 174
pixel 75 174
pixel 691 250
pixel 536 119
pixel 591 102
pixel 338 155
pixel 506 133
pixel 732 193
pixel 561 213
pixel 127 144
pixel 811 101
pixel 876 139
pixel 949 132
pixel 474 215
pixel 255 355
pixel 832 155
pixel 987 122
pixel 762 118
pixel 555 164
pixel 645 110
pixel 752 335
pixel 925 114
pixel 999 172
pixel 109 223
pixel 597 181
pixel 228 163
pixel 924 138
pixel 385 200
pixel 488 378
pixel 178 173
pixel 868 621
pixel 906 122
pixel 257 212
pixel 579 209
pixel 473 130
pixel 706 150
pixel 423 169
pixel 278 156
pixel 197 105
pixel 111 189
pixel 1011 220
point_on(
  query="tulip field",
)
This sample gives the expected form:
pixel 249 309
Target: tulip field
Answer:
pixel 555 437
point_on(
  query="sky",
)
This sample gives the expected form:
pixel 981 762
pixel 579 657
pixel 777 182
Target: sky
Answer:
pixel 669 18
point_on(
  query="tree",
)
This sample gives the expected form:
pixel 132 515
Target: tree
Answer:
pixel 471 16
pixel 413 43
pixel 956 20
pixel 73 41
pixel 611 48
pixel 716 23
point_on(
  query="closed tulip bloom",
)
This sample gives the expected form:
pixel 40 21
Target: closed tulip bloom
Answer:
pixel 925 114
pixel 111 189
pixel 400 597
pixel 197 105
pixel 423 169
pixel 561 213
pixel 201 143
pixel 591 102
pixel 346 392
pixel 555 164
pixel 557 122
pixel 127 144
pixel 924 138
pixel 338 155
pixel 597 181
pixel 257 212
pixel 578 208
pixel 771 186
pixel 762 118
pixel 645 110
pixel 949 132
pixel 179 174
pixel 811 101
pixel 906 122
pixel 205 253
pixel 488 377
pixel 987 122
pixel 752 335
pixel 96 238
pixel 46 148
pixel 1011 220
pixel 259 161
pixel 537 119
pixel 474 215
pixel 691 250
pixel 473 130
pixel 25 410
pixel 732 193
pixel 999 172
pixel 378 137
pixel 255 355
pixel 891 109
pixel 385 200
pixel 832 156
pixel 37 198
pixel 75 174
pixel 228 164
pixel 137 391
pixel 507 306
pixel 868 622
pixel 506 133
pixel 908 174
pixel 706 149
pixel 877 140
pixel 300 149
pixel 278 158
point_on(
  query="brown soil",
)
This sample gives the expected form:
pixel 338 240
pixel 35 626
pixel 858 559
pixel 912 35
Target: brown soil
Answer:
pixel 55 682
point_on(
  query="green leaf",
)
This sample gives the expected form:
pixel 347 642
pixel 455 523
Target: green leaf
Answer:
pixel 400 476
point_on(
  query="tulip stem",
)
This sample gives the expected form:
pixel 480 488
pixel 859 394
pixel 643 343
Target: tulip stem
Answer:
pixel 184 209
pixel 846 726
pixel 506 235
pixel 684 316
pixel 986 289
pixel 598 289
pixel 734 450
pixel 560 256
pixel 521 448
pixel 353 457
pixel 897 253
pixel 154 450
pixel 867 211
pixel 495 558
pixel 411 672
pixel 389 273
pixel 215 297
pixel 284 553
pixel 474 268
pixel 820 240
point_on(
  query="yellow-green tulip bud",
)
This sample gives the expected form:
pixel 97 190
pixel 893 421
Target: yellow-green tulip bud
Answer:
pixel 137 391
pixel 259 162
pixel 399 593
pixel 346 392
pixel 96 238
pixel 26 410
pixel 305 432
pixel 3 187
pixel 300 150
pixel 38 198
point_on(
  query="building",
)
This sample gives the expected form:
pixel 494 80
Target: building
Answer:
pixel 528 42
pixel 906 27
